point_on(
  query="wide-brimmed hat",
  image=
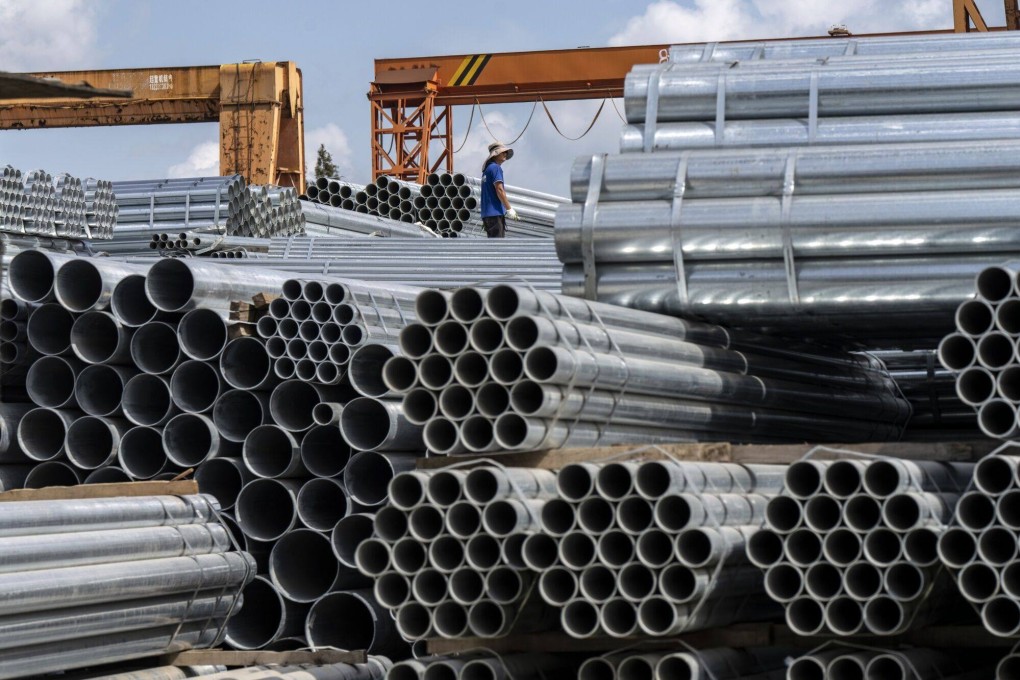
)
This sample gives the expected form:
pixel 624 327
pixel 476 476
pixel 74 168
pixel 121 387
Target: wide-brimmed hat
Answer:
pixel 497 148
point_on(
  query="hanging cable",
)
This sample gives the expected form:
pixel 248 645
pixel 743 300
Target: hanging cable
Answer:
pixel 598 113
pixel 514 140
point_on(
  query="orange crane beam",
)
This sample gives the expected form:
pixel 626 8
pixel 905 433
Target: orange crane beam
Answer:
pixel 259 107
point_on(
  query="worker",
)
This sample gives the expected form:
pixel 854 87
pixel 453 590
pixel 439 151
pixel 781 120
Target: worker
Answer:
pixel 495 207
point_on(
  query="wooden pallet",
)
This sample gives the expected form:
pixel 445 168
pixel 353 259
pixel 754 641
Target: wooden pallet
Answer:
pixel 723 453
pixel 738 635
pixel 236 659
pixel 180 487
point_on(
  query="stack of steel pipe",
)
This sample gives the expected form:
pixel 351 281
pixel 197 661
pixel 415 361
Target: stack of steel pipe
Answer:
pixel 654 548
pixel 446 552
pixel 617 549
pixel 907 664
pixel 761 663
pixel 514 369
pixel 851 545
pixel 871 245
pixel 96 581
pixel 156 385
pixel 223 204
pixel 982 353
pixel 451 203
pixel 1009 667
pixel 484 666
pixel 972 116
pixel 63 207
pixel 317 329
pixel 980 546
pixel 387 197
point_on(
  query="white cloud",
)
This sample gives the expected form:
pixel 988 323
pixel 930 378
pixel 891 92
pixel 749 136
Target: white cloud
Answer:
pixel 337 144
pixel 41 35
pixel 668 21
pixel 203 161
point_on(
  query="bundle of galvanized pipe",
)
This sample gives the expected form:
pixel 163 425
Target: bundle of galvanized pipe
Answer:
pixel 156 385
pixel 983 351
pixel 873 246
pixel 654 548
pixel 95 581
pixel 375 668
pixel 386 197
pixel 937 413
pixel 442 553
pixel 316 330
pixel 326 220
pixel 832 661
pixel 515 369
pixel 453 202
pixel 851 545
pixel 981 546
pixel 617 549
pixel 970 117
pixel 483 666
pixel 753 663
pixel 66 207
pixel 225 205
pixel 413 262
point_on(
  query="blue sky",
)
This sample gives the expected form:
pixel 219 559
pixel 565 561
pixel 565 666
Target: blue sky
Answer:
pixel 335 43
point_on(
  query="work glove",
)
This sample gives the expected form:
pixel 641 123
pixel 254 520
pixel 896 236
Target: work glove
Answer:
pixel 512 214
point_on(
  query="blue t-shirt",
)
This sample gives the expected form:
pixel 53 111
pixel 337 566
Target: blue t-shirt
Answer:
pixel 491 206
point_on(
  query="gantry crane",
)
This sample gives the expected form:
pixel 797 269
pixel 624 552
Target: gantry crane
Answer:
pixel 258 105
pixel 412 98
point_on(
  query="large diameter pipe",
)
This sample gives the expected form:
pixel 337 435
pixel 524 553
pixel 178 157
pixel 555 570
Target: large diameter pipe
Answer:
pixel 87 284
pixel 32 518
pixel 98 338
pixel 31 274
pixel 50 381
pixel 190 439
pixel 47 589
pixel 272 452
pixel 302 565
pixel 632 231
pixel 64 550
pixel 174 285
pixel 352 619
pixel 266 509
pixel 927 166
pixel 369 424
pixel 93 442
pixel 141 455
pixel 264 616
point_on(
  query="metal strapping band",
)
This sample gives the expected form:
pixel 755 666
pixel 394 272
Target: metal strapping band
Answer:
pixel 590 210
pixel 813 107
pixel 758 52
pixel 720 109
pixel 709 51
pixel 152 210
pixel 676 230
pixel 786 207
pixel 187 210
pixel 652 106
pixel 216 210
pixel 851 48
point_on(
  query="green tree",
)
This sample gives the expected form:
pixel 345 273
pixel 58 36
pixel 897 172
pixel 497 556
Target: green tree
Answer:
pixel 324 165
